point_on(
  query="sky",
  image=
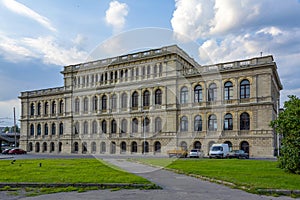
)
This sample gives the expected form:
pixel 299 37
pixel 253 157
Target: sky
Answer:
pixel 39 38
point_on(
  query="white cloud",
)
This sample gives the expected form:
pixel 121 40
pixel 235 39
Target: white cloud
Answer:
pixel 115 15
pixel 25 11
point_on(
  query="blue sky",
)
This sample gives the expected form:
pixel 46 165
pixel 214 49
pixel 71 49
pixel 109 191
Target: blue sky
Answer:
pixel 38 38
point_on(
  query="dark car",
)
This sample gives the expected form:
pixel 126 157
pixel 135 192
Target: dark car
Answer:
pixel 17 151
pixel 237 154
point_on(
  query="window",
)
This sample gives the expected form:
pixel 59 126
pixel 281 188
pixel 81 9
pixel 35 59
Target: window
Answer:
pixel 39 109
pixel 94 127
pixel 124 126
pixel 53 110
pixel 85 104
pixel 228 123
pixel 184 124
pixel 146 125
pixel 184 95
pixel 134 147
pixel 61 129
pixel 157 147
pixel 93 147
pixel 46 129
pixel 85 128
pixel 146 98
pixel 114 102
pixel 53 129
pixel 123 147
pixel 198 123
pixel 31 129
pixel 198 94
pixel 104 102
pixel 212 92
pixel 135 99
pixel 135 124
pixel 102 147
pixel 245 89
pixel 32 109
pixel 77 128
pixel 61 106
pixel 148 71
pixel 228 91
pixel 77 105
pixel 113 126
pixel 95 103
pixel 212 123
pixel 244 121
pixel 104 126
pixel 158 126
pixel 46 108
pixel 158 97
pixel 39 129
pixel 124 100
pixel 143 71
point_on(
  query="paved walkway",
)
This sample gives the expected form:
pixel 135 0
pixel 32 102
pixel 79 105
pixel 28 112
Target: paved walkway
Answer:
pixel 175 186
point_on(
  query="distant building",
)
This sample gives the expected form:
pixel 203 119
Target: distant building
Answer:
pixel 153 101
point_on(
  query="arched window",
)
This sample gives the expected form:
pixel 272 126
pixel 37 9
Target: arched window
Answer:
pixel 52 147
pixel 158 97
pixel 85 128
pixel 85 104
pixel 212 123
pixel 30 147
pixel 158 125
pixel 31 129
pixel 104 102
pixel 76 147
pixel 39 109
pixel 197 145
pixel 61 129
pixel 145 147
pixel 146 125
pixel 59 146
pixel 212 92
pixel 53 129
pixel 113 147
pixel 148 71
pixel 244 121
pixel 102 147
pixel 39 129
pixel 53 109
pixel 157 147
pixel 198 123
pixel 113 126
pixel 124 100
pixel 84 147
pixel 46 129
pixel 198 94
pixel 228 122
pixel 135 124
pixel 37 147
pixel 183 145
pixel 45 147
pixel 184 95
pixel 61 106
pixel 184 124
pixel 104 126
pixel 135 100
pixel 114 102
pixel 77 105
pixel 124 126
pixel 228 91
pixel 94 127
pixel 46 108
pixel 146 98
pixel 123 147
pixel 245 89
pixel 32 109
pixel 95 103
pixel 93 147
pixel 245 146
pixel 77 128
pixel 134 147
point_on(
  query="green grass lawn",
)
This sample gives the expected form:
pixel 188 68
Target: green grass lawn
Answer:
pixel 64 171
pixel 251 174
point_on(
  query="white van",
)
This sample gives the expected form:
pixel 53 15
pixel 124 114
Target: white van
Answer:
pixel 218 151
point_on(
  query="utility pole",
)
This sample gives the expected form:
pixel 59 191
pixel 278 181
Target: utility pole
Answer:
pixel 15 131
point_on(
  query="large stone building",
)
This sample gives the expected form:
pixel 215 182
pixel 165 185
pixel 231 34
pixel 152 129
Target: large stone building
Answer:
pixel 153 101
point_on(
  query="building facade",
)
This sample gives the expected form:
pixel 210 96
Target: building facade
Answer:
pixel 153 101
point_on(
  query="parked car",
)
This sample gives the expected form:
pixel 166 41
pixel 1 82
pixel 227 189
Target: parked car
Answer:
pixel 17 151
pixel 5 151
pixel 237 154
pixel 195 153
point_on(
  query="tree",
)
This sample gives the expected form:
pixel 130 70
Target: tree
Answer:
pixel 288 124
